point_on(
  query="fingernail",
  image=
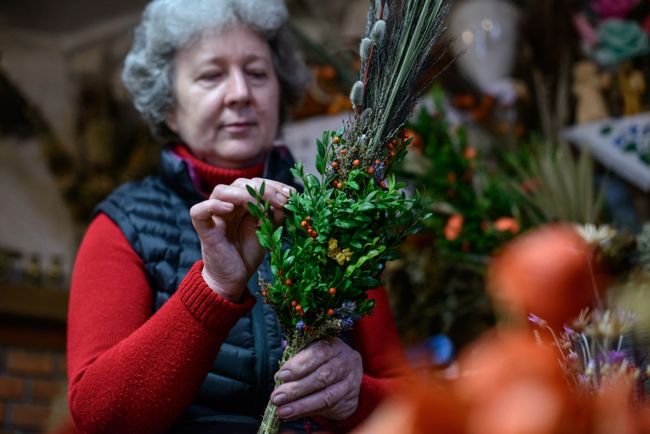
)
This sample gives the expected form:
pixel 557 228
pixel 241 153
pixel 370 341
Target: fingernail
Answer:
pixel 279 399
pixel 285 411
pixel 280 198
pixel 283 375
pixel 286 190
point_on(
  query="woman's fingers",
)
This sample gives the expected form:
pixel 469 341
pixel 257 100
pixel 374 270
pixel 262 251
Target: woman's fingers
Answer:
pixel 203 212
pixel 322 379
pixel 337 401
pixel 275 192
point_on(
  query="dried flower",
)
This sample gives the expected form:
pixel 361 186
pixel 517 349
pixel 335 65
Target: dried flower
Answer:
pixel 470 153
pixel 593 234
pixel 507 224
pixel 454 227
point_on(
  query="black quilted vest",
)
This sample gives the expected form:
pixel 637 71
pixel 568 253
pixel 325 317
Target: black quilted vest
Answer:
pixel 154 216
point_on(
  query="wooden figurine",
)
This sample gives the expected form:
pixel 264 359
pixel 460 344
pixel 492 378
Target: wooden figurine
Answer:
pixel 587 87
pixel 631 84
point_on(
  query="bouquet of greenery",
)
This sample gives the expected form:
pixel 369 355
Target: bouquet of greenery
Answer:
pixel 338 232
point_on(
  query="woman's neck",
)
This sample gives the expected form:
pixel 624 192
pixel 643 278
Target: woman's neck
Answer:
pixel 210 176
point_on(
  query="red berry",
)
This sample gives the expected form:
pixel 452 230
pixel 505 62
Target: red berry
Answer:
pixel 342 151
pixel 308 218
pixel 288 282
pixel 371 170
pixel 356 163
pixel 332 291
pixel 391 154
pixel 304 223
pixel 294 303
pixel 339 185
pixel 334 165
pixel 330 312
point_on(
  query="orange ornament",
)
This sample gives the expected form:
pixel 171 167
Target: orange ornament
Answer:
pixel 513 385
pixel 550 272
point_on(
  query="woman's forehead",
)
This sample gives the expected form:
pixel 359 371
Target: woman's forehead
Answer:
pixel 233 43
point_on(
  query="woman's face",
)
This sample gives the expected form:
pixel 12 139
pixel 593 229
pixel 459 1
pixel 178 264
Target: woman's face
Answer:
pixel 226 98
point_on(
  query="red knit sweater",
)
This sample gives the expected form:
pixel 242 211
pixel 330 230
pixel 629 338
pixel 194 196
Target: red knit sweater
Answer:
pixel 134 372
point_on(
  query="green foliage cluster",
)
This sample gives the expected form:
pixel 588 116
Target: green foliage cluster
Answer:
pixel 457 180
pixel 334 242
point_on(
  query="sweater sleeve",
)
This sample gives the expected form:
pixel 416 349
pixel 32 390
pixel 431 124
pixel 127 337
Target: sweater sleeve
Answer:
pixel 131 371
pixel 376 338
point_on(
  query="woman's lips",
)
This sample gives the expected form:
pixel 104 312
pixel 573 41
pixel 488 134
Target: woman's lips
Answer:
pixel 238 127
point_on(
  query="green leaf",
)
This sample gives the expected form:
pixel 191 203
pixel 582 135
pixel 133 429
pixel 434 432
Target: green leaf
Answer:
pixel 277 235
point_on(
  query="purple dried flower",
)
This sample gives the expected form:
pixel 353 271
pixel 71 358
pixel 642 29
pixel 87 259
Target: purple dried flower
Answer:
pixel 569 331
pixel 615 357
pixel 347 323
pixel 536 320
pixel 284 344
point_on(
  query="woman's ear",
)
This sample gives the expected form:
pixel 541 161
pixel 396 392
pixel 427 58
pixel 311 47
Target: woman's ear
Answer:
pixel 170 120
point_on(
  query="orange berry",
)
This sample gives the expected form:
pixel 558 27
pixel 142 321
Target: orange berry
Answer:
pixel 370 170
pixel 298 308
pixel 342 152
pixel 336 140
pixel 334 165
pixel 377 162
pixel 332 291
pixel 339 185
pixel 304 223
pixel 330 312
pixel 356 163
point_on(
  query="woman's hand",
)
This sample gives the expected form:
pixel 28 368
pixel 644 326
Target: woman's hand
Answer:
pixel 226 229
pixel 323 379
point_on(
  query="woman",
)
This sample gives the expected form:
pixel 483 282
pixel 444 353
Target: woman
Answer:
pixel 165 334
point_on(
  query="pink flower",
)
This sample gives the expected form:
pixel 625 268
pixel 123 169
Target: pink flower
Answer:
pixel 613 8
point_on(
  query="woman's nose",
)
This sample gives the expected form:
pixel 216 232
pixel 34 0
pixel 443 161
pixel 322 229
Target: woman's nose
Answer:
pixel 238 90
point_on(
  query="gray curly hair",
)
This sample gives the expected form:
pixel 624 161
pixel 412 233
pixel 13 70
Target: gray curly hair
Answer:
pixel 168 26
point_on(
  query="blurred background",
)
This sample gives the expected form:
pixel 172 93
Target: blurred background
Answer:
pixel 539 114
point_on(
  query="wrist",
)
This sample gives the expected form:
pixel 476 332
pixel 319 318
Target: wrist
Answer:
pixel 232 296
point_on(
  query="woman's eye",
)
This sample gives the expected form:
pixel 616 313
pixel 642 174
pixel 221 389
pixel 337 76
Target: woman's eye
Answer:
pixel 258 74
pixel 210 76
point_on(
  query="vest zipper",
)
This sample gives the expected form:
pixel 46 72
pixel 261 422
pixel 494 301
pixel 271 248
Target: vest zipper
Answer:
pixel 261 352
